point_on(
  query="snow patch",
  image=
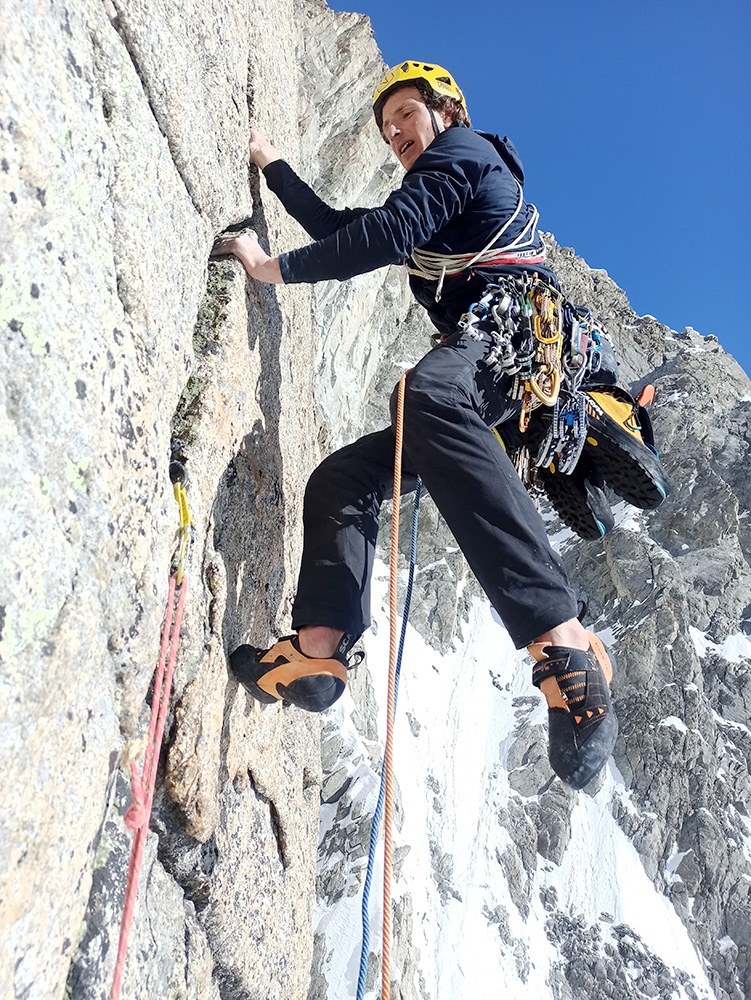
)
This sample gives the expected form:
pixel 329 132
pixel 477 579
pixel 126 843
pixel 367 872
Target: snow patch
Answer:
pixel 674 396
pixel 726 944
pixel 675 722
pixel 561 538
pixel 735 648
pixel 673 862
pixel 627 518
pixel 617 884
pixel 721 721
pixel 608 636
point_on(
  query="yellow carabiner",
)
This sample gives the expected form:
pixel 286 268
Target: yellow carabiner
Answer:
pixel 547 398
pixel 550 325
pixel 526 411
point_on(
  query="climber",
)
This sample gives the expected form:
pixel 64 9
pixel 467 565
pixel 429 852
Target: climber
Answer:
pixel 462 191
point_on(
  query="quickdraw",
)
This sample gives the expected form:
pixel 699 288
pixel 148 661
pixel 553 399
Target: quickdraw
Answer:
pixel 549 346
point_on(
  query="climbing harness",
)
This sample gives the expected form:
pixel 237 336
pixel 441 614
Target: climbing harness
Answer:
pixel 142 786
pixel 385 794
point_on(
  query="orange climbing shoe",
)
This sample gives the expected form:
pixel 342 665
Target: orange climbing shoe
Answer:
pixel 285 673
pixel 582 726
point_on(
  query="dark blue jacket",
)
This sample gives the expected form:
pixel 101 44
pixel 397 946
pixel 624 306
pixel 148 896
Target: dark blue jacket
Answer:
pixel 455 197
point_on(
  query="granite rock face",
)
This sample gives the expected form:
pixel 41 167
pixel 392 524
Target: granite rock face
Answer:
pixel 123 135
pixel 123 151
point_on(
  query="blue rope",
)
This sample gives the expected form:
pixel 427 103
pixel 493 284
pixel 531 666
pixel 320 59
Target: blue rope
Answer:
pixel 382 791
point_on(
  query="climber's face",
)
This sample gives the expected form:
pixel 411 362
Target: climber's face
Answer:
pixel 407 125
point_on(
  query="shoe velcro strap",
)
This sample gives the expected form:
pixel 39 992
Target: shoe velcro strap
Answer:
pixel 583 689
pixel 616 391
pixel 573 686
pixel 621 411
pixel 558 666
pixel 553 667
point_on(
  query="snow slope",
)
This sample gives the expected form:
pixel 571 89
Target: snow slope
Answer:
pixel 479 911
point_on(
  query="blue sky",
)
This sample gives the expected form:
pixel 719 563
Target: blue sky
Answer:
pixel 633 120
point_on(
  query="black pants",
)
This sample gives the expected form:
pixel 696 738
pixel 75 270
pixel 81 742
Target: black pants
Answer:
pixel 451 402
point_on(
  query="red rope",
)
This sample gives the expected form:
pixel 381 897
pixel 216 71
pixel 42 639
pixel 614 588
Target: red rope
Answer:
pixel 142 787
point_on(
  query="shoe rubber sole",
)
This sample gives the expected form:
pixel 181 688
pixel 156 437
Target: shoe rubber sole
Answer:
pixel 577 763
pixel 630 468
pixel 579 502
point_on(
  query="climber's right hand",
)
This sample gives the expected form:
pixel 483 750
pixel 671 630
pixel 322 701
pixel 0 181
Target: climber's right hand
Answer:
pixel 261 151
pixel 251 255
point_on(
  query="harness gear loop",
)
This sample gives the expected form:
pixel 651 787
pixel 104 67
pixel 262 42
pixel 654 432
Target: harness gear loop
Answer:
pixel 142 786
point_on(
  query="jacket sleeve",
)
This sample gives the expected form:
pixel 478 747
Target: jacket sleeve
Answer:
pixel 316 217
pixel 424 203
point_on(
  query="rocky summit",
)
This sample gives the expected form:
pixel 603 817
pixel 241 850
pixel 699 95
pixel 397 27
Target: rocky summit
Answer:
pixel 123 153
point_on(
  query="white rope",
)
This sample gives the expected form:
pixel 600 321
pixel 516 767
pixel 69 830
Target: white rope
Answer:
pixel 433 266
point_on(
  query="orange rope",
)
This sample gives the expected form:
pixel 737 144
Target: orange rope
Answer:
pixel 388 758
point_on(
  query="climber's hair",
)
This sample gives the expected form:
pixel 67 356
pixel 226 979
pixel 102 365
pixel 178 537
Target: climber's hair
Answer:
pixel 437 102
pixel 442 103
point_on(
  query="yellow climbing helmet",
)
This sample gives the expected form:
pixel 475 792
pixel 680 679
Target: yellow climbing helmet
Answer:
pixel 441 81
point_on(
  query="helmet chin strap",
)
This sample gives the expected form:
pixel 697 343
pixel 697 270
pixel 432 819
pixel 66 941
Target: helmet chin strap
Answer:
pixel 433 122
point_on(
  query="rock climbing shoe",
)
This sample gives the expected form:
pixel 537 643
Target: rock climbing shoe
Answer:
pixel 579 498
pixel 620 444
pixel 285 673
pixel 582 726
